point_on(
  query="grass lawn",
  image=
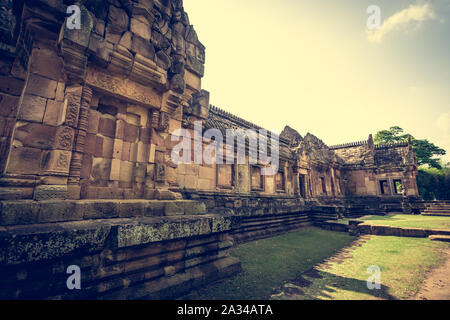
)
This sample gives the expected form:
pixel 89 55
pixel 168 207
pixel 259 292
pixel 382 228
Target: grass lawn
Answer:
pixel 269 263
pixel 410 221
pixel 403 263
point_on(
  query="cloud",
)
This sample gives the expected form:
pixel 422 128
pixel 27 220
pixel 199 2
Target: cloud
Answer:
pixel 414 14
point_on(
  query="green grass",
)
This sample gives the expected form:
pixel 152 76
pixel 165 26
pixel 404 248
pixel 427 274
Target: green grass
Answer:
pixel 410 221
pixel 403 263
pixel 269 263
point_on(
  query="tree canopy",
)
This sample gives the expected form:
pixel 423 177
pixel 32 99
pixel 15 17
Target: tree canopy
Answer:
pixel 425 150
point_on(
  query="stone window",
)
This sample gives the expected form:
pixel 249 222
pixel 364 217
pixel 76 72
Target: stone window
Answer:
pixel 384 187
pixel 324 187
pixel 279 181
pixel 398 186
pixel 225 176
pixel 257 179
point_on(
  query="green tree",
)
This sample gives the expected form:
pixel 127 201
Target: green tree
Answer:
pixel 425 150
pixel 434 184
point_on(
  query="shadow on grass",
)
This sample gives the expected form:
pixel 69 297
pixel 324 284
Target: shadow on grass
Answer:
pixel 329 283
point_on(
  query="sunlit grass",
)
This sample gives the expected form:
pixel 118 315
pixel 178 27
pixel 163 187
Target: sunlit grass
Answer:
pixel 403 263
pixel 410 221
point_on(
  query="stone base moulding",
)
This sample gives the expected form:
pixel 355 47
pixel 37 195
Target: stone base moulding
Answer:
pixel 123 258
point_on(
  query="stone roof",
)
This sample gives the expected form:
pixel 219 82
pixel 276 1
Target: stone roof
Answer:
pixel 223 120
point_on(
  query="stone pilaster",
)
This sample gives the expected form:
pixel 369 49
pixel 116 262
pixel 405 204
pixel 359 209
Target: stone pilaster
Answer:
pixel 78 148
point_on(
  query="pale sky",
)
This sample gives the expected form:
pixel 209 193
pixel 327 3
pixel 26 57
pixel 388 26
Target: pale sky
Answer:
pixel 314 65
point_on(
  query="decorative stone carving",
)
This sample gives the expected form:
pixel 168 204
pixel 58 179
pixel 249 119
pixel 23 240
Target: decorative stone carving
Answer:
pixel 49 192
pixel 199 105
pixel 83 123
pixel 160 172
pixel 123 87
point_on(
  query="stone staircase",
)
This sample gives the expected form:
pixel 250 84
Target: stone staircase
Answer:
pixel 437 208
pixel 325 213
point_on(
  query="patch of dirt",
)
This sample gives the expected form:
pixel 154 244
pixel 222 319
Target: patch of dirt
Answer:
pixel 437 285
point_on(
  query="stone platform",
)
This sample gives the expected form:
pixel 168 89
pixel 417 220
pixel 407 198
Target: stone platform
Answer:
pixel 160 250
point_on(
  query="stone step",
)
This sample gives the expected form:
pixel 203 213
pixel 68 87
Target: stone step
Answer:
pixel 437 237
pixel 438 207
pixel 435 214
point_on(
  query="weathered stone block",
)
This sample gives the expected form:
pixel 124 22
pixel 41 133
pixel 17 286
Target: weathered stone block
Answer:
pixel 58 211
pixel 8 105
pixel 47 63
pixel 143 47
pixel 107 127
pixel 115 170
pixel 141 29
pixel 194 207
pixel 126 171
pixel 130 133
pixel 126 146
pixel 90 144
pixel 120 129
pixel 55 113
pixel 41 86
pixel 175 208
pixel 25 160
pixel 118 19
pixel 86 166
pixel 117 150
pixel 93 121
pixel 18 212
pixel 125 41
pixel 96 209
pixel 56 161
pixel 8 193
pixel 142 152
pixel 131 208
pixel 32 108
pixel 98 146
pixel 10 85
pixel 108 148
pixel 154 208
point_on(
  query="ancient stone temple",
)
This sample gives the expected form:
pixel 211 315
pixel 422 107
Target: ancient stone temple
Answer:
pixel 91 97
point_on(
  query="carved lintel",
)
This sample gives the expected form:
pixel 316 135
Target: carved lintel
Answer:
pixel 119 86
